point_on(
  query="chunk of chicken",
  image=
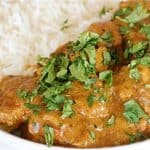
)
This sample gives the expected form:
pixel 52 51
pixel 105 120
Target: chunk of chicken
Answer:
pixel 12 110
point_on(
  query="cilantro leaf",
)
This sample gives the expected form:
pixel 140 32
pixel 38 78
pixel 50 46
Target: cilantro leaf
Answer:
pixel 48 74
pixel 143 61
pixel 27 95
pixel 123 12
pixel 86 38
pixel 65 25
pixel 138 47
pixel 135 137
pixel 146 30
pixel 102 98
pixel 133 112
pixel 92 135
pixel 90 100
pixel 89 82
pixel 49 135
pixel 138 14
pixel 90 50
pixel 35 108
pixel 107 57
pixel 107 36
pixel 103 11
pixel 134 74
pixel 124 30
pixel 42 60
pixel 110 121
pixel 67 110
pixel 78 70
pixel 106 76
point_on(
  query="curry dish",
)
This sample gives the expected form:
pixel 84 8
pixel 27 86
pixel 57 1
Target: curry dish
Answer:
pixel 93 92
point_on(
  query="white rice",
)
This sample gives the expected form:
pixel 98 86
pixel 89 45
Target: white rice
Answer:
pixel 29 28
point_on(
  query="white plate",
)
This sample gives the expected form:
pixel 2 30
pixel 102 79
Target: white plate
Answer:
pixel 10 142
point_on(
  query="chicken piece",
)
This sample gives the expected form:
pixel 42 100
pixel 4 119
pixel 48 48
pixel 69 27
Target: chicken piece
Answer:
pixel 12 110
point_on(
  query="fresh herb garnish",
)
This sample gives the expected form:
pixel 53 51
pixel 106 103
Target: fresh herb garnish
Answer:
pixel 65 25
pixel 67 110
pixel 90 100
pixel 146 30
pixel 92 135
pixel 143 61
pixel 110 121
pixel 138 47
pixel 106 76
pixel 27 95
pixel 107 57
pixel 102 98
pixel 134 137
pixel 107 36
pixel 86 38
pixel 103 11
pixel 34 107
pixel 124 30
pixel 138 14
pixel 137 50
pixel 123 12
pixel 78 70
pixel 49 135
pixel 134 74
pixel 89 83
pixel 42 60
pixel 133 112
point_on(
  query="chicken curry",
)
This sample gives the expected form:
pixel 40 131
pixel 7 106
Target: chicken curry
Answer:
pixel 92 92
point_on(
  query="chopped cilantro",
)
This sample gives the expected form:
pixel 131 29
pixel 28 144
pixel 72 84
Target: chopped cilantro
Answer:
pixel 133 112
pixel 124 30
pixel 42 60
pixel 35 108
pixel 103 11
pixel 102 98
pixel 49 135
pixel 65 25
pixel 110 121
pixel 146 30
pixel 138 14
pixel 134 137
pixel 134 63
pixel 138 47
pixel 106 76
pixel 92 135
pixel 90 100
pixel 134 74
pixel 89 82
pixel 67 110
pixel 106 57
pixel 97 90
pixel 86 38
pixel 138 50
pixel 107 36
pixel 26 95
pixel 143 61
pixel 78 70
pixel 122 12
pixel 48 74
pixel 90 51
